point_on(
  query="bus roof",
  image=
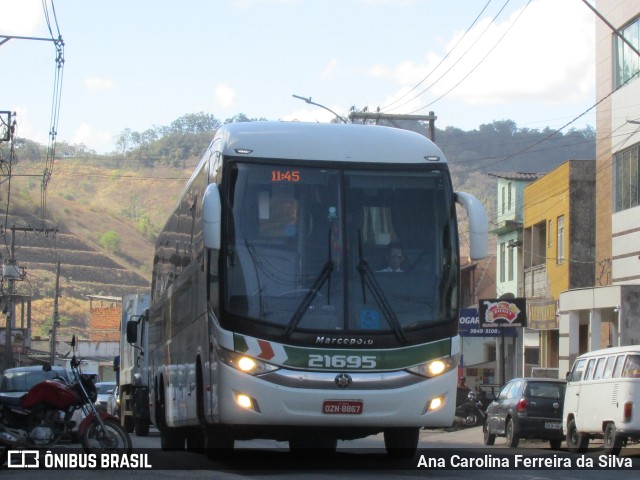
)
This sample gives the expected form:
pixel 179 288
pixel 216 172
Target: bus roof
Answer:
pixel 327 141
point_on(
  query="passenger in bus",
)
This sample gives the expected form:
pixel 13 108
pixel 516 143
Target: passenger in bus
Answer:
pixel 395 257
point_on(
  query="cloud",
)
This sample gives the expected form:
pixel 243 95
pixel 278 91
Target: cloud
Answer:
pixel 24 127
pixel 330 68
pixel 20 18
pixel 225 96
pixel 547 55
pixel 100 141
pixel 96 84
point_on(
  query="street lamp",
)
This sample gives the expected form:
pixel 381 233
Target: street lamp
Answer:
pixel 308 100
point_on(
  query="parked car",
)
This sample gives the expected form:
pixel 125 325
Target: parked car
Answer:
pixel 16 382
pixel 602 396
pixel 527 408
pixel 113 403
pixel 104 390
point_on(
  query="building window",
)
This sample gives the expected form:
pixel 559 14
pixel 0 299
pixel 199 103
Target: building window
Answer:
pixel 502 261
pixel 560 244
pixel 626 60
pixel 490 352
pixel 510 263
pixel 626 178
pixel 504 199
pixel 532 356
pixel 509 206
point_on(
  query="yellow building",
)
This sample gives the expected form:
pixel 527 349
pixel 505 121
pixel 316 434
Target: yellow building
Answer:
pixel 559 246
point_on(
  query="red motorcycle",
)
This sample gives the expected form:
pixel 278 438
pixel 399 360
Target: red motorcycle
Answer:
pixel 42 416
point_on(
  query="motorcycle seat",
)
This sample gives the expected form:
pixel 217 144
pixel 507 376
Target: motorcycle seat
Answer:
pixel 10 401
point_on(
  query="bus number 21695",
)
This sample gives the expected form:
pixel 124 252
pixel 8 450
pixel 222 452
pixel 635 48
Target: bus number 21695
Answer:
pixel 342 361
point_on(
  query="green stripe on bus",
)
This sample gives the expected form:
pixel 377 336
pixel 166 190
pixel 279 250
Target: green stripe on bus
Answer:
pixel 314 358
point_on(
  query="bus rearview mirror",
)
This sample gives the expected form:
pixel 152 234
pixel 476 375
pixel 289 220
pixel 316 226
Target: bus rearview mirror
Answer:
pixel 211 217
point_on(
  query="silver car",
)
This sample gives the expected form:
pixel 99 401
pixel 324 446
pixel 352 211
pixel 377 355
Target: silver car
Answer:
pixel 104 390
pixel 113 403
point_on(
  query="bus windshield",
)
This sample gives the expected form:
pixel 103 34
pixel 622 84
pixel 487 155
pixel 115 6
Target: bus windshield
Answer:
pixel 340 250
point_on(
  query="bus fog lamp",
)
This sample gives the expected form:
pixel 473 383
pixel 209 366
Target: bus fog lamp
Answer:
pixel 435 404
pixel 246 402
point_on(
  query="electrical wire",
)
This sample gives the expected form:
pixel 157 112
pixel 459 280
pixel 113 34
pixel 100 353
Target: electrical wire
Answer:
pixel 443 59
pixel 480 62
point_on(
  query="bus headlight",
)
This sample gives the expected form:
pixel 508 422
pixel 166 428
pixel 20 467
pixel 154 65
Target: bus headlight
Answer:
pixel 244 363
pixel 434 368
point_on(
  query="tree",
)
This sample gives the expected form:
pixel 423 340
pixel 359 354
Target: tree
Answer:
pixel 110 241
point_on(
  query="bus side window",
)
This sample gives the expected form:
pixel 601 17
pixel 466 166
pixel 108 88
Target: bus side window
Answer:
pixel 632 367
pixel 588 372
pixel 599 369
pixel 617 370
pixel 608 368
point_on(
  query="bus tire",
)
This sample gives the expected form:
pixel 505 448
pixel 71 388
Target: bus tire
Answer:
pixel 612 442
pixel 576 442
pixel 401 442
pixel 171 439
pixel 128 425
pixel 195 440
pixel 141 427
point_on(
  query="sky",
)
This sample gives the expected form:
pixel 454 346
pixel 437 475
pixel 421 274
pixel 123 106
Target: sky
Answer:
pixel 144 63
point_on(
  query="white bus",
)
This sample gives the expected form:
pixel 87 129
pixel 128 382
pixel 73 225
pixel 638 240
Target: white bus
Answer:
pixel 602 399
pixel 271 315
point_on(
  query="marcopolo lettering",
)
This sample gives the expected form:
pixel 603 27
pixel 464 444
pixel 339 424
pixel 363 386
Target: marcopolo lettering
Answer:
pixel 343 341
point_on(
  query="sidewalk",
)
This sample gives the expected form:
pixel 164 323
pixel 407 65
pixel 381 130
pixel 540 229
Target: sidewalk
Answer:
pixel 472 437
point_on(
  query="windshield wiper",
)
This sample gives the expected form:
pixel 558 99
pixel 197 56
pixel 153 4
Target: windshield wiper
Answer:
pixel 323 276
pixel 367 279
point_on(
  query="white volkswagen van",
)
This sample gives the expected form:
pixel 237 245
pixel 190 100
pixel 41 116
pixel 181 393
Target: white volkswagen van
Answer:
pixel 602 399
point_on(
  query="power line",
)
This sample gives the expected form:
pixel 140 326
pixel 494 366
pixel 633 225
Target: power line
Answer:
pixel 442 60
pixel 480 62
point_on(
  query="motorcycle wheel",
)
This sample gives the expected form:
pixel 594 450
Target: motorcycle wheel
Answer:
pixel 111 439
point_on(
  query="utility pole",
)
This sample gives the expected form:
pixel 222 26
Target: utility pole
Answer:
pixel 377 116
pixel 12 273
pixel 54 327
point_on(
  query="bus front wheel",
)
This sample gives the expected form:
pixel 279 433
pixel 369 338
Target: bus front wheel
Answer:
pixel 401 442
